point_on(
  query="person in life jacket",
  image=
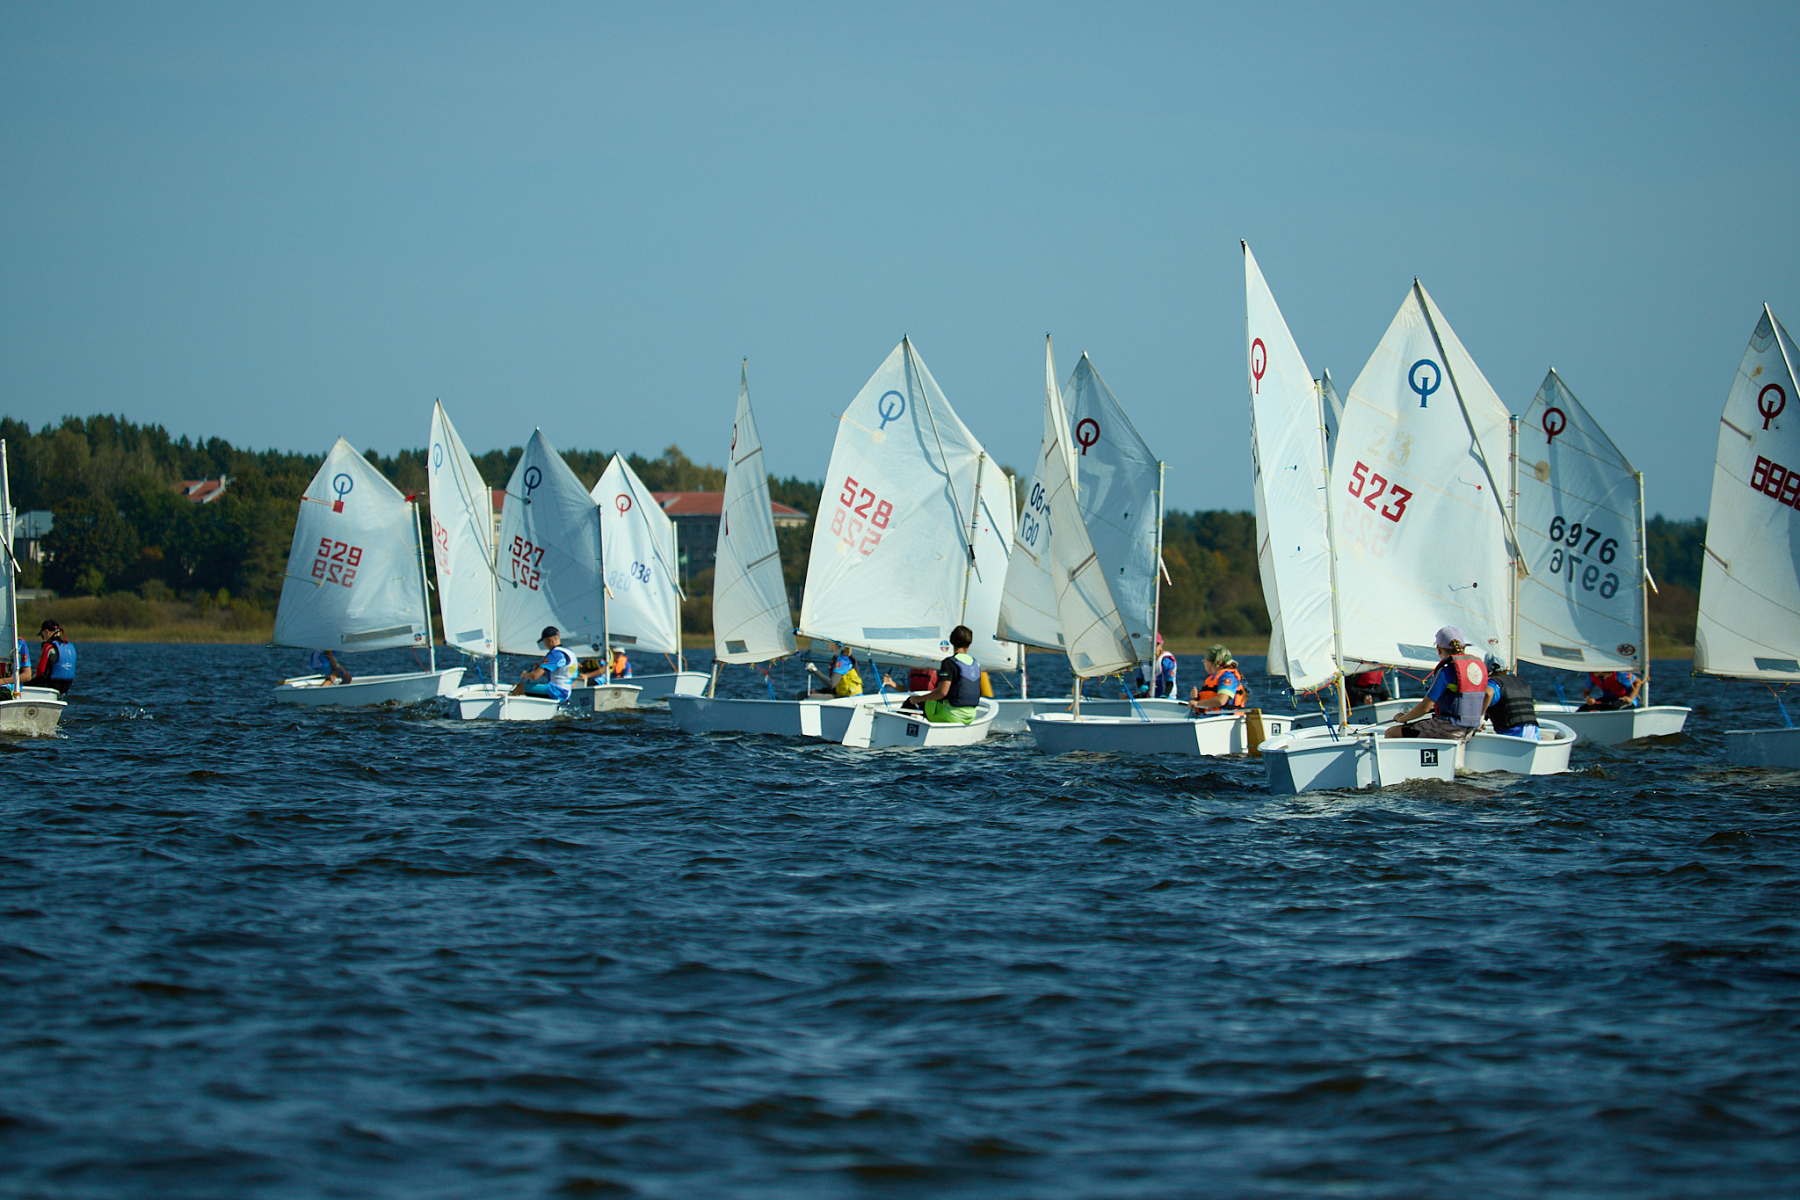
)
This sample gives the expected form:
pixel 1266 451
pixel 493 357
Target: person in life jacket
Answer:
pixel 1509 703
pixel 23 658
pixel 55 666
pixel 552 677
pixel 1455 693
pixel 324 662
pixel 1367 687
pixel 1614 689
pixel 1165 670
pixel 1223 687
pixel 958 692
pixel 842 679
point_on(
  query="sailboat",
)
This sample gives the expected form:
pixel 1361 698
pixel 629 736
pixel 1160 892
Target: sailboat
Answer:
pixel 643 590
pixel 1119 482
pixel 1583 605
pixel 356 581
pixel 25 711
pixel 1749 622
pixel 1056 549
pixel 496 596
pixel 752 622
pixel 911 541
pixel 1418 532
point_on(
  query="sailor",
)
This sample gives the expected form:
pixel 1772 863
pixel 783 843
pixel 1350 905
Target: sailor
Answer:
pixel 955 699
pixel 1223 687
pixel 552 677
pixel 56 659
pixel 1455 693
pixel 619 666
pixel 324 662
pixel 1165 669
pixel 23 660
pixel 1367 687
pixel 844 679
pixel 1614 689
pixel 1509 704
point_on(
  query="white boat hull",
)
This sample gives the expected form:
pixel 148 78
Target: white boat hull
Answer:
pixel 776 718
pixel 891 729
pixel 1763 747
pixel 31 715
pixel 1312 760
pixel 607 697
pixel 1015 712
pixel 1617 726
pixel 412 687
pixel 652 688
pixel 488 702
pixel 1165 708
pixel 1064 733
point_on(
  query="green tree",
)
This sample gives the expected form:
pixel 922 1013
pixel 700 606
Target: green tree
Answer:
pixel 90 548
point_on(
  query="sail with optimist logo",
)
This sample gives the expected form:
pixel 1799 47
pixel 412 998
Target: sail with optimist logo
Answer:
pixel 355 575
pixel 1291 480
pixel 462 539
pixel 1421 536
pixel 752 622
pixel 914 527
pixel 637 540
pixel 1580 526
pixel 1121 500
pixel 1749 621
pixel 548 566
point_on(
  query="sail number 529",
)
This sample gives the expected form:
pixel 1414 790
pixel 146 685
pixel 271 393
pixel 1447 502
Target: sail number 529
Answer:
pixel 861 517
pixel 1369 486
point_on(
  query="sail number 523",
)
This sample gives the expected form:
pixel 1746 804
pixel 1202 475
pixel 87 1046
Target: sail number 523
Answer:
pixel 861 517
pixel 1369 486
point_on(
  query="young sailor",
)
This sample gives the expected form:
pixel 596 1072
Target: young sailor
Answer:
pixel 56 659
pixel 324 662
pixel 1223 687
pixel 1509 704
pixel 1614 689
pixel 844 679
pixel 1455 693
pixel 1165 670
pixel 955 699
pixel 553 676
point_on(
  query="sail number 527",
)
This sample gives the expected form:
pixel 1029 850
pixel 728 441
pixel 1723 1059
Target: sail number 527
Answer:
pixel 1369 486
pixel 861 517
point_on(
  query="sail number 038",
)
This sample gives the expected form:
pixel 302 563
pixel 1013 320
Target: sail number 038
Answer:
pixel 1369 486
pixel 861 517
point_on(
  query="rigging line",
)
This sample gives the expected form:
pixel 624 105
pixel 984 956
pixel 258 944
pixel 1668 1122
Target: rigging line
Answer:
pixel 943 459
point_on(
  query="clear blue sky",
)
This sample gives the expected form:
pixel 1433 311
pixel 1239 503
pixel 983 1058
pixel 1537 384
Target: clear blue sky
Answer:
pixel 279 224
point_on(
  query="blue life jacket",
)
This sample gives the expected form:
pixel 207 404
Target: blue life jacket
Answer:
pixel 965 686
pixel 64 666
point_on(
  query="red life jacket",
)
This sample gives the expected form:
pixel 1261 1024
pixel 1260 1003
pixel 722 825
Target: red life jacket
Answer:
pixel 1609 683
pixel 1370 678
pixel 1467 680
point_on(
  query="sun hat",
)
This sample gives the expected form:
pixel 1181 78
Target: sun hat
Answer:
pixel 1448 636
pixel 549 631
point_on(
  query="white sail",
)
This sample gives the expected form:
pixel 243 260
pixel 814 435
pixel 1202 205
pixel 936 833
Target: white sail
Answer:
pixel 1121 500
pixel 1028 609
pixel 462 539
pixel 637 542
pixel 1749 624
pixel 1333 405
pixel 752 622
pixel 913 528
pixel 549 556
pixel 1580 522
pixel 352 578
pixel 1294 547
pixel 10 612
pixel 1419 530
pixel 1094 633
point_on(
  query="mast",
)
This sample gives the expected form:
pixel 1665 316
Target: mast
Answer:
pixel 494 583
pixel 1512 600
pixel 1337 624
pixel 674 574
pixel 974 525
pixel 1156 592
pixel 12 574
pixel 424 584
pixel 1643 576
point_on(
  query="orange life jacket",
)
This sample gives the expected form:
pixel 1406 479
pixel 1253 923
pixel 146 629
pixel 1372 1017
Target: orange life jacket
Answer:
pixel 1209 690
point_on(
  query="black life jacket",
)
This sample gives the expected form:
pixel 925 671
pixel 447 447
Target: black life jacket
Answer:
pixel 1514 707
pixel 965 684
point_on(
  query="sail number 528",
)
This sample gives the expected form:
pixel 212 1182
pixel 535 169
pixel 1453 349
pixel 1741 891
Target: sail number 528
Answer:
pixel 861 517
pixel 1369 486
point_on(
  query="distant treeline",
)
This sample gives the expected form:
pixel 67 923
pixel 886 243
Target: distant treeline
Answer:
pixel 121 525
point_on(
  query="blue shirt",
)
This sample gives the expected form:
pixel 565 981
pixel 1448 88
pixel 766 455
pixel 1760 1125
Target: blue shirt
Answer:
pixel 1165 674
pixel 559 670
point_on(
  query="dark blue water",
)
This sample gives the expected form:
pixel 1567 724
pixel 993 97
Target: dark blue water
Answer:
pixel 259 952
